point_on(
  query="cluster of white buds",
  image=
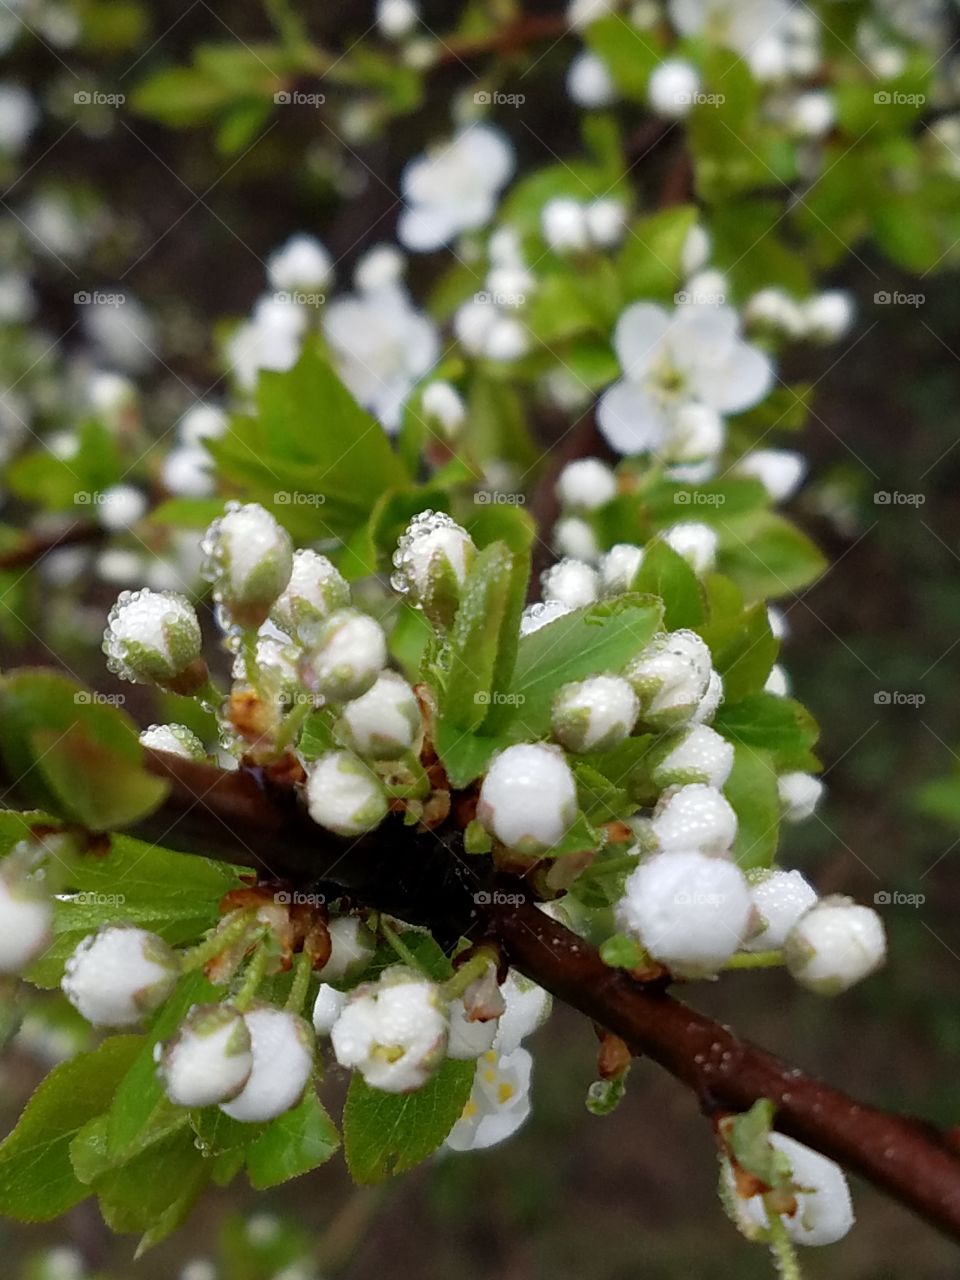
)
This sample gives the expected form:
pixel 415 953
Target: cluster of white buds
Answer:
pixel 153 637
pixel 176 739
pixel 344 794
pixel 393 1031
pixel 571 582
pixel 26 919
pixel 528 798
pixel 210 1058
pixel 571 226
pixel 249 560
pixel 695 753
pixel 385 722
pixel 343 655
pixel 834 945
pixel 431 562
pixel 594 714
pixel 282 1048
pixel 315 589
pixel 120 974
pixel 671 676
pixel 824 1212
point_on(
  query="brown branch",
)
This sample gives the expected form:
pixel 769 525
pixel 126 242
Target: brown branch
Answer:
pixel 34 546
pixel 425 880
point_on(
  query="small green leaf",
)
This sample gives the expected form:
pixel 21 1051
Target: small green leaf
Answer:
pixel 752 791
pixel 768 556
pixel 293 1144
pixel 600 799
pixel 621 952
pixel 478 629
pixel 666 574
pixel 781 726
pixel 744 650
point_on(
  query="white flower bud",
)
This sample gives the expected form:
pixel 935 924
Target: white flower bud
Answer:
pixel 111 395
pixel 209 1060
pixel 282 1047
pixel 351 948
pixel 828 316
pixel 693 754
pixel 708 704
pixel 528 799
pixel 26 922
pixel 186 472
pixel 394 1032
pixel 586 484
pixel 589 82
pixel 528 1007
pixel 773 308
pixel 443 404
pixel 315 590
pixel 696 542
pixel 836 944
pixel 606 222
pixel 799 795
pixel 824 1211
pixel 619 566
pixel 581 13
pixel 345 795
pixel 343 655
pixel 572 582
pixel 698 432
pixel 812 114
pixel 574 538
pixel 249 559
pixel 690 911
pixel 673 88
pixel 507 339
pixel 779 626
pixel 777 682
pixel 780 471
pixel 594 714
pixel 327 1008
pixel 119 975
pixel 121 506
pixel 780 898
pixel 707 288
pixel 396 18
pixel 385 721
pixel 499 1103
pixel 432 560
pixel 695 253
pixel 302 263
pixel 694 817
pixel 564 225
pixel 469 1038
pixel 202 422
pixel 670 677
pixel 176 739
pixel 536 616
pixel 153 637
pixel 379 268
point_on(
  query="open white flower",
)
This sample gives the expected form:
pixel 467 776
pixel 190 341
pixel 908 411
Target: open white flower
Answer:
pixel 394 1031
pixel 282 1048
pixel 528 1007
pixel 824 1212
pixel 119 975
pixel 469 1037
pixel 382 346
pixel 695 355
pixel 454 187
pixel 499 1103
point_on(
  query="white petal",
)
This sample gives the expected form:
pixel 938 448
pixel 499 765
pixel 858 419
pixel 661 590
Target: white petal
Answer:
pixel 629 420
pixel 739 382
pixel 638 336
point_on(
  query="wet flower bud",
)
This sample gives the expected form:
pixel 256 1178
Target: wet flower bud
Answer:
pixel 153 637
pixel 696 542
pixel 343 655
pixel 315 590
pixel 586 484
pixel 282 1048
pixel 394 1031
pixel 26 921
pixel 468 1038
pixel 249 559
pixel 209 1060
pixel 351 948
pixel 619 566
pixel 345 795
pixel 528 800
pixel 564 225
pixel 573 537
pixel 119 975
pixel 670 677
pixel 176 739
pixel 384 722
pixel 696 753
pixel 799 795
pixel 594 714
pixel 432 560
pixel 694 817
pixel 824 1212
pixel 836 944
pixel 690 911
pixel 572 582
pixel 708 704
pixel 780 899
pixel 442 404
pixel 673 87
pixel 528 1007
pixel 327 1008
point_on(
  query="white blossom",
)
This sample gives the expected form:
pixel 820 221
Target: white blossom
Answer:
pixel 327 1008
pixel 396 18
pixel 812 114
pixel 468 1038
pixel 431 563
pixel 443 404
pixel 800 794
pixel 572 582
pixel 384 722
pixel 249 559
pixel 351 948
pixel 773 308
pixel 209 1060
pixel 528 1007
pixel 19 117
pixel 282 1048
pixel 738 24
pixel 176 739
pixel 693 754
pixel 187 472
pixel 828 316
pixel 834 945
pixel 780 471
pixel 673 88
pixel 499 1103
pixel 117 976
pixel 780 899
pixel 302 263
pixel 573 538
pixel 394 1031
pixel 202 421
pixel 594 714
pixel 695 541
pixel 564 225
pixel 152 637
pixel 344 794
pixel 121 506
pixel 581 13
pixel 586 484
pixel 696 250
pixel 123 334
pixel 698 432
pixel 270 339
pixel 670 677
pixel 695 816
pixel 454 187
pixel 379 268
pixel 824 1212
pixel 315 589
pixel 343 655
pixel 26 922
pixel 589 82
pixel 619 567
pixel 528 799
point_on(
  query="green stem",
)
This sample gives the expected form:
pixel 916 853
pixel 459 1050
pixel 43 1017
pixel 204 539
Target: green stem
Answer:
pixel 781 1246
pixel 400 947
pixel 755 960
pixel 250 660
pixel 231 930
pixel 292 723
pixel 210 697
pixel 468 973
pixel 301 983
pixel 256 970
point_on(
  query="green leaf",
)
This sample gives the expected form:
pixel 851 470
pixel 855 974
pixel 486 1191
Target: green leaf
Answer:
pixel 293 1144
pixel 780 726
pixel 744 650
pixel 629 53
pixel 387 1133
pixel 752 791
pixel 37 1181
pixel 748 1137
pixel 666 574
pixel 481 624
pixel 154 1192
pixel 600 799
pixel 768 556
pixel 649 264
